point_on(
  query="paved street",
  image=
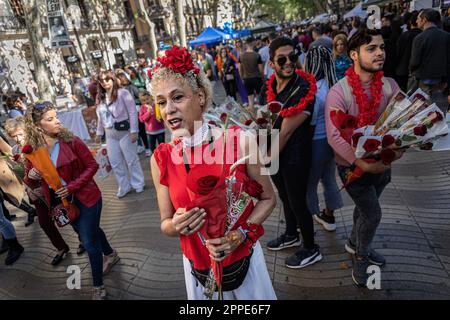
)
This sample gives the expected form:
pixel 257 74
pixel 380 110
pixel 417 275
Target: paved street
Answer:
pixel 413 235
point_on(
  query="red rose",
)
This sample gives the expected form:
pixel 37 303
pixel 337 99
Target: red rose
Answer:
pixel 420 130
pixel 16 157
pixel 261 121
pixel 349 122
pixel 274 107
pixel 371 145
pixel 248 122
pixel 178 60
pixel 355 138
pixel 253 188
pixel 104 152
pixel 435 116
pixel 212 122
pixel 223 117
pixel 387 156
pixel 27 149
pixel 206 184
pixel 108 168
pixel 387 141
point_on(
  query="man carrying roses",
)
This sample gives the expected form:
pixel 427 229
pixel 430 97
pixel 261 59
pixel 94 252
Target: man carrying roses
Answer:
pixel 295 90
pixel 363 93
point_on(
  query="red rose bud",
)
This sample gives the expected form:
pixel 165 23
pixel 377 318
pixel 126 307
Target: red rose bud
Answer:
pixel 104 152
pixel 223 117
pixel 420 130
pixel 274 107
pixel 27 149
pixel 248 122
pixel 16 157
pixel 387 156
pixel 212 122
pixel 261 121
pixel 350 122
pixel 355 138
pixel 206 184
pixel 371 145
pixel 435 116
pixel 387 141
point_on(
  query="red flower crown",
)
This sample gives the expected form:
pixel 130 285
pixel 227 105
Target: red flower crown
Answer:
pixel 178 60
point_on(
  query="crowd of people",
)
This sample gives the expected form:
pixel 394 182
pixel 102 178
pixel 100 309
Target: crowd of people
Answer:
pixel 310 70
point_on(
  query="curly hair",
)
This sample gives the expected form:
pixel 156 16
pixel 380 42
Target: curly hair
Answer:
pixel 11 125
pixel 35 136
pixel 195 82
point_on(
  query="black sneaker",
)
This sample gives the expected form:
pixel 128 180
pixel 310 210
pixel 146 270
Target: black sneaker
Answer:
pixel 327 222
pixel 284 241
pixel 303 258
pixel 374 257
pixel 359 272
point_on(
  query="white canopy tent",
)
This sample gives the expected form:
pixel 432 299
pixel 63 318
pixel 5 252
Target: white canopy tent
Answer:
pixel 321 18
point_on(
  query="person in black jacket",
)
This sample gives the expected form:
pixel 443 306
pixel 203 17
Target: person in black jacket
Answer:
pixel 430 57
pixel 404 47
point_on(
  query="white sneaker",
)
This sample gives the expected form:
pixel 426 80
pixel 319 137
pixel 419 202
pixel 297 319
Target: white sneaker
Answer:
pixel 140 149
pixel 148 153
pixel 122 194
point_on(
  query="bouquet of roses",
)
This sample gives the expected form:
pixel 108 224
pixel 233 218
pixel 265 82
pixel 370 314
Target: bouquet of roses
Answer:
pixel 406 122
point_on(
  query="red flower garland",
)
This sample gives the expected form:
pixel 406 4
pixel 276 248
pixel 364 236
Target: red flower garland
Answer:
pixel 303 103
pixel 368 111
pixel 179 60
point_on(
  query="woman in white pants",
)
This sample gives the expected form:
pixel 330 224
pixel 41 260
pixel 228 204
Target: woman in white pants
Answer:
pixel 118 120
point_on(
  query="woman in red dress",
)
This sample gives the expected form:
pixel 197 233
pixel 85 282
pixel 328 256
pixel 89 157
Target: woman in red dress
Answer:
pixel 183 93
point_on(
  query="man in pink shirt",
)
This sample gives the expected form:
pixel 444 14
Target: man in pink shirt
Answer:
pixel 366 49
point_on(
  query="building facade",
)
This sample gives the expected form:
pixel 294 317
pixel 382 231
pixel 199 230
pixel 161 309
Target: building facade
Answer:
pixel 101 31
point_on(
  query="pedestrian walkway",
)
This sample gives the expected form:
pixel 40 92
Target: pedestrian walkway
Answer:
pixel 414 237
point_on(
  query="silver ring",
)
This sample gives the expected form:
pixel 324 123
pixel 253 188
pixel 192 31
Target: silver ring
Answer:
pixel 221 254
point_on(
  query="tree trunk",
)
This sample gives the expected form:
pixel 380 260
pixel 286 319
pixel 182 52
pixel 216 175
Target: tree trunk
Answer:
pixel 181 24
pixel 151 25
pixel 41 71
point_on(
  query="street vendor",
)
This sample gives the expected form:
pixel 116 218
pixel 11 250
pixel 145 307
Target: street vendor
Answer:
pixel 183 94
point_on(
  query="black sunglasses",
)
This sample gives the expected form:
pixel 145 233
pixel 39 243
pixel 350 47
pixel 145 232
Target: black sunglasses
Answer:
pixel 293 57
pixel 43 105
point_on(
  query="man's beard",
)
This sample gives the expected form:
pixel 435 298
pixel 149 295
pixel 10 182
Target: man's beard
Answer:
pixel 369 68
pixel 280 74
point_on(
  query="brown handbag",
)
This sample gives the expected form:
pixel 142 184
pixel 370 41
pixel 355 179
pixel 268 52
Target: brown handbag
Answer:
pixel 63 215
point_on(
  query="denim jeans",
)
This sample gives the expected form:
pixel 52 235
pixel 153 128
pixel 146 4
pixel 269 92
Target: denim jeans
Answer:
pixel 93 238
pixel 365 193
pixel 6 227
pixel 323 168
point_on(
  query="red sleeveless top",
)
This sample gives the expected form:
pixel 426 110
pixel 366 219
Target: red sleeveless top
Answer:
pixel 173 174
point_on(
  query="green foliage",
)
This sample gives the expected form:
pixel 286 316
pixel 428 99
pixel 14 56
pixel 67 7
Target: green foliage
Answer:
pixel 285 10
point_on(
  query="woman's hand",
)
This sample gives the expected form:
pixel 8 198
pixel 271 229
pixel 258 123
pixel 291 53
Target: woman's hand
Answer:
pixel 133 137
pixel 34 174
pixel 220 248
pixel 188 222
pixel 62 192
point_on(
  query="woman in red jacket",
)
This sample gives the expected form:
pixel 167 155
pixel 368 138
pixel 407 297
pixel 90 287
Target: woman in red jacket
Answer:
pixel 76 167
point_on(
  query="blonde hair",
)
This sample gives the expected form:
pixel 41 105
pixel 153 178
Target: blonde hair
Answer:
pixel 12 125
pixel 337 38
pixel 35 136
pixel 197 82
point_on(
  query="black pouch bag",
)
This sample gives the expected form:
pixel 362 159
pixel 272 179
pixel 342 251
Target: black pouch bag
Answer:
pixel 233 275
pixel 122 125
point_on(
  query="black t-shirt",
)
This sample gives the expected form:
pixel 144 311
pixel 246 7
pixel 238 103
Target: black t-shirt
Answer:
pixel 298 148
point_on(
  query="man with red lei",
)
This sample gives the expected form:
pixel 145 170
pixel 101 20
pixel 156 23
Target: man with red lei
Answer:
pixel 363 93
pixel 295 90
